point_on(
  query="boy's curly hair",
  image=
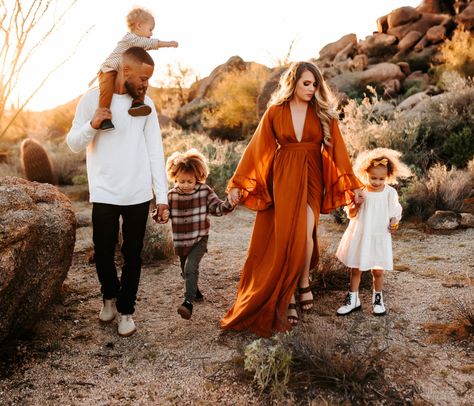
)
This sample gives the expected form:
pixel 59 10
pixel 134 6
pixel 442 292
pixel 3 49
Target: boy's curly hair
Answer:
pixel 191 161
pixel 138 15
pixel 381 156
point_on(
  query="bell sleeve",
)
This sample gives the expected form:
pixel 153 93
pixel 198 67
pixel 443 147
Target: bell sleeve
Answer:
pixel 394 206
pixel 253 175
pixel 338 176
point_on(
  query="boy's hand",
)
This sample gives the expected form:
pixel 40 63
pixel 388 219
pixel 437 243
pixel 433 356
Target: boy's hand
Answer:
pixel 393 227
pixel 234 196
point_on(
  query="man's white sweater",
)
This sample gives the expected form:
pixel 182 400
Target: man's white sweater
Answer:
pixel 125 165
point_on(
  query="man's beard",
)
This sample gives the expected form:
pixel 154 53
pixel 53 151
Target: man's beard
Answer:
pixel 133 91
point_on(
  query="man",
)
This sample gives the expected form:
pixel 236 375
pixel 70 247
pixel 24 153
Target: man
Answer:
pixel 124 167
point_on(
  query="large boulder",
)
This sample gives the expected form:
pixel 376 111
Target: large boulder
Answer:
pixel 329 51
pixel 423 24
pixel 37 235
pixel 409 41
pixel 436 34
pixel 402 15
pixel 444 220
pixel 377 44
pixel 267 90
pixel 381 72
pixel 411 101
pixel 436 6
pixel 466 18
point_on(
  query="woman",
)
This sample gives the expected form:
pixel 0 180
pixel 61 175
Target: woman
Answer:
pixel 295 167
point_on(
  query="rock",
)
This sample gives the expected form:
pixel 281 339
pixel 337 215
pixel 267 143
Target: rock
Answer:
pixel 405 67
pixel 83 219
pixel 436 34
pixel 409 40
pixel 443 220
pixel 466 220
pixel 421 25
pixel 402 15
pixel 37 235
pixel 267 90
pixel 391 88
pixel 381 73
pixel 158 242
pixel 377 44
pixel 419 79
pixel 330 50
pixel 345 52
pixel 383 108
pixel 189 115
pixel 382 24
pixel 466 18
pixel 360 62
pixel 436 6
pixel 412 101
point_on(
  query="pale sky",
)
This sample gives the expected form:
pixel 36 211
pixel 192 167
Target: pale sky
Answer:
pixel 208 32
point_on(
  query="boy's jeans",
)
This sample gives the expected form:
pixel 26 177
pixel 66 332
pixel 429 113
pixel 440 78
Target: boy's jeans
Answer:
pixel 190 268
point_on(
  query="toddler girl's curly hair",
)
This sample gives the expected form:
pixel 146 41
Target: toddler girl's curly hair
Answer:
pixel 191 161
pixel 138 15
pixel 381 156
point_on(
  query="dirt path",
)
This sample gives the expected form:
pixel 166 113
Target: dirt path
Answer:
pixel 72 359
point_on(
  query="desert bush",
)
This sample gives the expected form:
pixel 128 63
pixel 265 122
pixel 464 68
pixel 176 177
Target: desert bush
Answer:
pixel 36 162
pixel 233 113
pixel 270 360
pixel 457 53
pixel 440 189
pixel 459 147
pixel 69 167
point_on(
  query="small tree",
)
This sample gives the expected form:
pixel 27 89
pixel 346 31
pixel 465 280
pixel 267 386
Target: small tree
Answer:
pixel 20 22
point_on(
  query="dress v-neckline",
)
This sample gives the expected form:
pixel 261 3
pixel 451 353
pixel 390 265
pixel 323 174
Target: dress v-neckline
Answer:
pixel 293 125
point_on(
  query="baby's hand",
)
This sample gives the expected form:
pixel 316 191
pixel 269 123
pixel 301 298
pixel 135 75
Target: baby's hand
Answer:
pixel 393 225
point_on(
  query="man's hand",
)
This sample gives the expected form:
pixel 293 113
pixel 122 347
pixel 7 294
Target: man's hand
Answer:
pixel 173 44
pixel 161 214
pixel 101 114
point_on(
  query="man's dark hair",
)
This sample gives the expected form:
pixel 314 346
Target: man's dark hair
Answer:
pixel 138 54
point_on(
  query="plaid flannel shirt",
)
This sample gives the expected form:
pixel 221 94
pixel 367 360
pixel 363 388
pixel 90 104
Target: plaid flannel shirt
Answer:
pixel 190 215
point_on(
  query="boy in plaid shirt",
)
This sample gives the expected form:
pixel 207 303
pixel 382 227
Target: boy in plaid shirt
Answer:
pixel 191 201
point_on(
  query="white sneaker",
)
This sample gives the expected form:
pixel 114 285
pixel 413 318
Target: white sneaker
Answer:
pixel 351 303
pixel 377 301
pixel 126 326
pixel 108 311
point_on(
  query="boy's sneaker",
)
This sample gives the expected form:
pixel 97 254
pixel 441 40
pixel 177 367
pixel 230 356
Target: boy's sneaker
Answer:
pixel 199 297
pixel 186 310
pixel 139 109
pixel 379 307
pixel 126 325
pixel 351 303
pixel 106 125
pixel 108 311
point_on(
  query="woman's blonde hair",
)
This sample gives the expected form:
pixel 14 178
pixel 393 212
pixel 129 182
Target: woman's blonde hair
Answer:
pixel 138 15
pixel 190 162
pixel 385 157
pixel 323 100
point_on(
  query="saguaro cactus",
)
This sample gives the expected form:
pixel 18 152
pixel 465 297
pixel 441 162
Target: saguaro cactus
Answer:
pixel 36 163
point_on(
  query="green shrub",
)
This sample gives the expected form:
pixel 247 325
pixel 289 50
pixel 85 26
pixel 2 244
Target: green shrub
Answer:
pixel 270 361
pixel 459 147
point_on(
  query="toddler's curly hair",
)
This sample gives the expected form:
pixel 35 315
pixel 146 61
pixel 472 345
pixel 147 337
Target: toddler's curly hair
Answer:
pixel 191 161
pixel 381 156
pixel 138 15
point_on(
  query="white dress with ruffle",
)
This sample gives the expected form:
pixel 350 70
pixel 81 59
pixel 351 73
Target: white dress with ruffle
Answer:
pixel 367 242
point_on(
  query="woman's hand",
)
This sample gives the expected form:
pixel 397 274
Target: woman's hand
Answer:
pixel 234 196
pixel 358 197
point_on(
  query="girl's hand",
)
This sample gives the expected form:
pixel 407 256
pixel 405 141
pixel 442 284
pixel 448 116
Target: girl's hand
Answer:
pixel 358 197
pixel 234 196
pixel 393 225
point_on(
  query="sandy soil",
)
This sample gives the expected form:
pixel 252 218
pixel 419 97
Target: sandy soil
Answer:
pixel 72 359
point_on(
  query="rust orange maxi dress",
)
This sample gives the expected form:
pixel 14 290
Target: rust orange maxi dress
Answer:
pixel 278 177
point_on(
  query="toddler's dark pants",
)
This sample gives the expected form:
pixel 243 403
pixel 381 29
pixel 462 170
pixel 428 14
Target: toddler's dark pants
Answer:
pixel 190 268
pixel 105 229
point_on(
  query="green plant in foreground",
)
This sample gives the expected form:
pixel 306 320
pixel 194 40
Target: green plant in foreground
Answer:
pixel 270 360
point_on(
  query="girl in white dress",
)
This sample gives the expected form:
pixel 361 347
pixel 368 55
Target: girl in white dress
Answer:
pixel 367 242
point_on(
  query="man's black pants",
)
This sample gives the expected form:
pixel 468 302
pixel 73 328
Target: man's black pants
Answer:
pixel 105 226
